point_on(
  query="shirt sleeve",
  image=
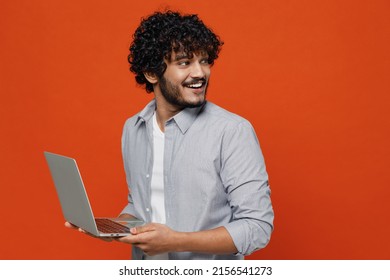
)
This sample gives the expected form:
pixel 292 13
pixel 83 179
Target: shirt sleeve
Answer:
pixel 245 179
pixel 129 208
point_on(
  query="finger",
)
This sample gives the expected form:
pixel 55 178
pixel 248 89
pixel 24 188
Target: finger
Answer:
pixel 142 229
pixel 130 239
pixel 146 249
pixel 69 225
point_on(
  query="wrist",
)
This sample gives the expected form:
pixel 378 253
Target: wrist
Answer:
pixel 180 240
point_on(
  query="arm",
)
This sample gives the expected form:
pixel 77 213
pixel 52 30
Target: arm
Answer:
pixel 245 179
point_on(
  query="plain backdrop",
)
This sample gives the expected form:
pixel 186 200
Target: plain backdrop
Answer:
pixel 311 76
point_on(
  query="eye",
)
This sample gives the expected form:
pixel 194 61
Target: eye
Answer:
pixel 204 61
pixel 183 62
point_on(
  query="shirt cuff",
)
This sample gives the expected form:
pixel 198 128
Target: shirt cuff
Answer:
pixel 248 236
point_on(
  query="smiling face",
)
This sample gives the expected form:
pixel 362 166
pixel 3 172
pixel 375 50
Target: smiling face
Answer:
pixel 184 82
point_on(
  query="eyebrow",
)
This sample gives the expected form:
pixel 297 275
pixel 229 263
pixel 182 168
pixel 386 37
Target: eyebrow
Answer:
pixel 181 56
pixel 186 56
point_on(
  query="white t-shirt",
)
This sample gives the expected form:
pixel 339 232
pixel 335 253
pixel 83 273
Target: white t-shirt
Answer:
pixel 157 184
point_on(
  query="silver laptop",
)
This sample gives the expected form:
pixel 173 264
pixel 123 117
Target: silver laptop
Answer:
pixel 75 204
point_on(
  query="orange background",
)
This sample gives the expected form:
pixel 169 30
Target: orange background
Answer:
pixel 311 76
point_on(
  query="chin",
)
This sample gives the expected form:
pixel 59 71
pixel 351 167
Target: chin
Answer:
pixel 195 104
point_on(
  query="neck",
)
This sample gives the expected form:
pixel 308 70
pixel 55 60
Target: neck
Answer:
pixel 165 111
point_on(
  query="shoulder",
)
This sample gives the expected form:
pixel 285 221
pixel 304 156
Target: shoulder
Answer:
pixel 142 116
pixel 231 127
pixel 216 115
pixel 132 121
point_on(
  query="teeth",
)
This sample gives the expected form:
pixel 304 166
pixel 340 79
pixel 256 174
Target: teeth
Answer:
pixel 198 85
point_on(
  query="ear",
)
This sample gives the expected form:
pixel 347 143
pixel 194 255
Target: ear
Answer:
pixel 151 77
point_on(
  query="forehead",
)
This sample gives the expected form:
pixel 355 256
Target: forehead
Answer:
pixel 181 54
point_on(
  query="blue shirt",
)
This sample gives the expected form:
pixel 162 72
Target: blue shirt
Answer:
pixel 214 175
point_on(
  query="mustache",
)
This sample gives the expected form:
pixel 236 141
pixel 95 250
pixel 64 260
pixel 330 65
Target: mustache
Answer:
pixel 194 81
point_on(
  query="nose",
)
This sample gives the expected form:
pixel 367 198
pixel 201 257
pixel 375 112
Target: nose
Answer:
pixel 197 70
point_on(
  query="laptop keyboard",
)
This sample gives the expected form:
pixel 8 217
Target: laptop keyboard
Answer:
pixel 108 226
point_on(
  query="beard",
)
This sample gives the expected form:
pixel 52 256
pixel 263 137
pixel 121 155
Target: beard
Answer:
pixel 172 95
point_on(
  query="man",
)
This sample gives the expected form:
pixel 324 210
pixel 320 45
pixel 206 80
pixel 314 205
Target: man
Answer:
pixel 195 172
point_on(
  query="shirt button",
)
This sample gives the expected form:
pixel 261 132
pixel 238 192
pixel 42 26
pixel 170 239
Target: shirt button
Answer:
pixel 147 175
pixel 147 209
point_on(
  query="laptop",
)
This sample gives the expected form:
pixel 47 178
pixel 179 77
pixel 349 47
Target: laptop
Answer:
pixel 75 204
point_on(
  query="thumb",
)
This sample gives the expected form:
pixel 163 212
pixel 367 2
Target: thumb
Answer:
pixel 142 229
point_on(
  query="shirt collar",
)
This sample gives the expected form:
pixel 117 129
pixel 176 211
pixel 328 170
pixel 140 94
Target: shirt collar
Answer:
pixel 186 117
pixel 147 112
pixel 183 119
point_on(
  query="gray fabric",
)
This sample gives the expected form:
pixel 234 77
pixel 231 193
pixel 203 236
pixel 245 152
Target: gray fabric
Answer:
pixel 214 175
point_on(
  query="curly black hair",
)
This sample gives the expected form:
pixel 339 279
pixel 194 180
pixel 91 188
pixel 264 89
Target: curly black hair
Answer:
pixel 163 33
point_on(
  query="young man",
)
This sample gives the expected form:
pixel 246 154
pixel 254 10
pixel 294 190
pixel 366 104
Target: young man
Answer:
pixel 195 172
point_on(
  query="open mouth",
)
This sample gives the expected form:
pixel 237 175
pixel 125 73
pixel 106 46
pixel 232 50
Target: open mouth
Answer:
pixel 195 84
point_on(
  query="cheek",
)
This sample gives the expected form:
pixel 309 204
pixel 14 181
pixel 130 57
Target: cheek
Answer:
pixel 175 76
pixel 208 74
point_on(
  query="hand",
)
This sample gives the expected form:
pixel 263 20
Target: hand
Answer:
pixel 152 238
pixel 71 226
